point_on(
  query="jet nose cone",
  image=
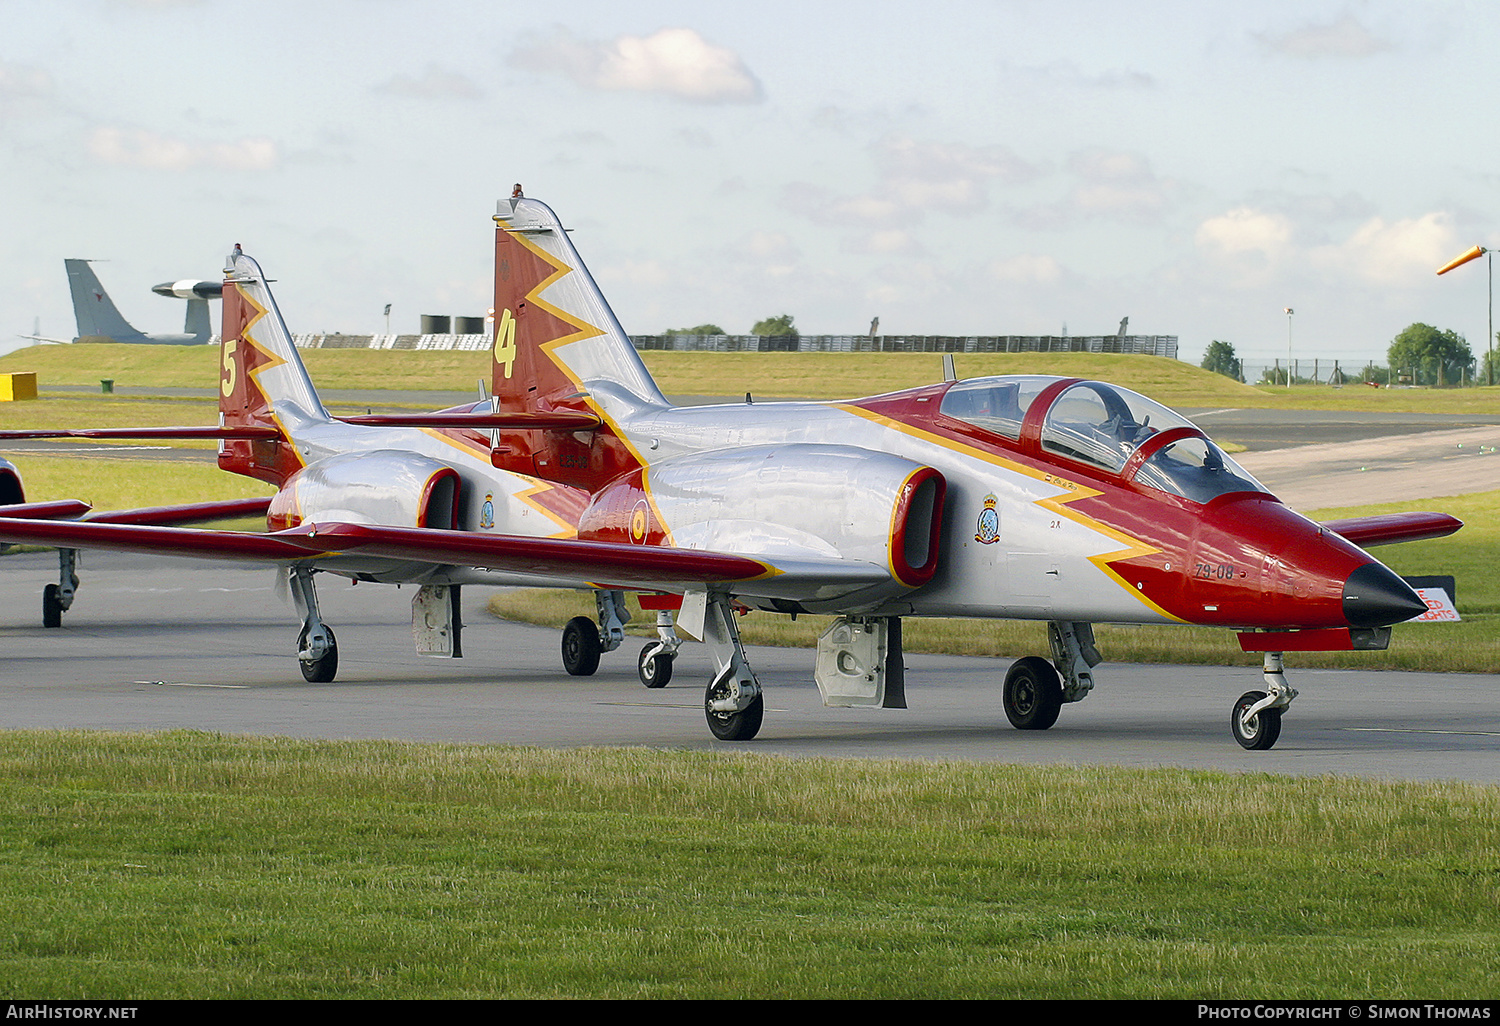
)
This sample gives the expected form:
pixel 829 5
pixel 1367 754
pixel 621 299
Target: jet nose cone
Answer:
pixel 1376 597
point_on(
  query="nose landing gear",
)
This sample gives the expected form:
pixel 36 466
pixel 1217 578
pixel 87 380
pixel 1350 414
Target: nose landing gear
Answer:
pixel 1255 720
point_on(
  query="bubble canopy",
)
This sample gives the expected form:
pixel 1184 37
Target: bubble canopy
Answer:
pixel 1102 426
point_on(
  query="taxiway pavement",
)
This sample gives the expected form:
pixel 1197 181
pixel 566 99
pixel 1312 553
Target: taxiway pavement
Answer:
pixel 164 644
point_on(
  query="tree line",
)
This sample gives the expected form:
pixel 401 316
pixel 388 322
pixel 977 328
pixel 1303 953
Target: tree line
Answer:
pixel 781 324
pixel 1419 355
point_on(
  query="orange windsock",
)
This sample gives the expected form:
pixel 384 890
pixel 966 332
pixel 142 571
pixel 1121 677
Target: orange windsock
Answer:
pixel 1473 254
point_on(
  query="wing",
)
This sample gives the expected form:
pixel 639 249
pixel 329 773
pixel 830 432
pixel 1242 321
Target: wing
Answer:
pixel 221 433
pixel 59 509
pixel 1389 528
pixel 195 513
pixel 157 540
pixel 568 561
pixel 563 419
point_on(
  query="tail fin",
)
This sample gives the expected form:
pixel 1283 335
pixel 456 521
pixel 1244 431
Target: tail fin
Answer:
pixel 197 323
pixel 262 381
pixel 98 320
pixel 558 346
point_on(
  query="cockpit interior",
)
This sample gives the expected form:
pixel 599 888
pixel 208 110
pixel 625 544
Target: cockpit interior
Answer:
pixel 1104 427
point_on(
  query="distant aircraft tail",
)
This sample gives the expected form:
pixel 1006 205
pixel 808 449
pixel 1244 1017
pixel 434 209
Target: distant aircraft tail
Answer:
pixel 558 346
pixel 262 381
pixel 198 324
pixel 98 320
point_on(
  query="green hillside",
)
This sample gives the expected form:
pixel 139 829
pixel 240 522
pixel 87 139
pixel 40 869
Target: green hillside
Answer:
pixel 782 375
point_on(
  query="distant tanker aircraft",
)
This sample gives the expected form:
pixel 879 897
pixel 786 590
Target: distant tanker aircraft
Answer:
pixel 1036 497
pixel 100 321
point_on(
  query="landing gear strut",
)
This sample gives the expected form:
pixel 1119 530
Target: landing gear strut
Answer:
pixel 58 598
pixel 655 663
pixel 1036 690
pixel 1255 720
pixel 733 703
pixel 583 640
pixel 317 649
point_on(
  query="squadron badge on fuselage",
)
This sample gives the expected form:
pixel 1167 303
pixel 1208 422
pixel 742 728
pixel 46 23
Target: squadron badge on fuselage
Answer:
pixel 487 511
pixel 989 522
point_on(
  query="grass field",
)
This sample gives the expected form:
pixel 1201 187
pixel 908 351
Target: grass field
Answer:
pixel 188 865
pixel 790 375
pixel 115 483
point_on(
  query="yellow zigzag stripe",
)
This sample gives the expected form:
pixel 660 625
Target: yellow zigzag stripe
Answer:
pixel 585 330
pixel 1132 547
pixel 272 362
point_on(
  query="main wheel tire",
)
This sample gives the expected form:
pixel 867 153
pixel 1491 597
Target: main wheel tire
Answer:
pixel 580 647
pixel 323 669
pixel 1262 730
pixel 654 669
pixel 1032 694
pixel 52 609
pixel 737 726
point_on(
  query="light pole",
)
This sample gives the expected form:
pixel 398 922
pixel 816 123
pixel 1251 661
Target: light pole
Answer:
pixel 1475 254
pixel 1288 312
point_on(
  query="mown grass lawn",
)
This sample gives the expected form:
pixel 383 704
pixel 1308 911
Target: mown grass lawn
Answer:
pixel 191 865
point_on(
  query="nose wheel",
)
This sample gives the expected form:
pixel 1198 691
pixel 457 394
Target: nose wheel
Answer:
pixel 655 666
pixel 1255 731
pixel 1255 720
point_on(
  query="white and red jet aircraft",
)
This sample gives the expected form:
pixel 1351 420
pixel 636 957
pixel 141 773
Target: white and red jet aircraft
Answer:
pixel 1047 498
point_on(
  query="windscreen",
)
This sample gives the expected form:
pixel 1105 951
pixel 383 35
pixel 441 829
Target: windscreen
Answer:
pixel 1195 469
pixel 1102 424
pixel 997 405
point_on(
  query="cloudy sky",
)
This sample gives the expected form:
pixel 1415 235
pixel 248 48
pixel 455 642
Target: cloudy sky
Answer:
pixel 953 167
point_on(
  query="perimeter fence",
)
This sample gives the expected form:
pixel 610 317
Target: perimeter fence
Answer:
pixel 1146 345
pixel 1321 371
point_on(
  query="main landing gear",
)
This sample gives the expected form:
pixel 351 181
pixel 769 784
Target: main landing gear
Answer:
pixel 1255 720
pixel 58 598
pixel 732 703
pixel 1036 690
pixel 584 641
pixel 317 648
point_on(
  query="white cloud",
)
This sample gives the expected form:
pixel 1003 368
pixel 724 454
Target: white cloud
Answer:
pixel 913 178
pixel 435 84
pixel 19 81
pixel 1066 74
pixel 1345 37
pixel 882 242
pixel 638 273
pixel 1244 230
pixel 139 147
pixel 1027 269
pixel 1112 184
pixel 764 244
pixel 944 176
pixel 1396 252
pixel 674 61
